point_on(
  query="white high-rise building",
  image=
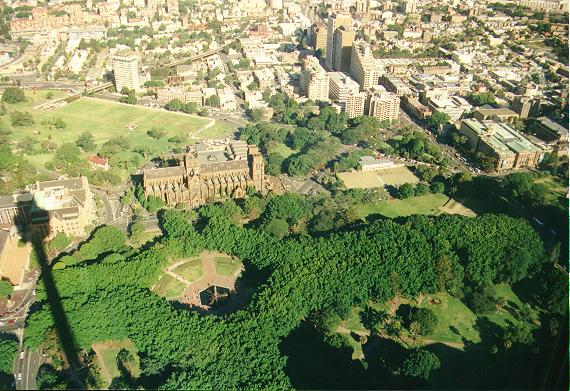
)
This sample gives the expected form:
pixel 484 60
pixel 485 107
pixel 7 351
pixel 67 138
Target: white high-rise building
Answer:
pixel 383 105
pixel 364 68
pixel 314 81
pixel 126 71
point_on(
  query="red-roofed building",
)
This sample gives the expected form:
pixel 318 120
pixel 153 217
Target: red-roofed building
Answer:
pixel 99 163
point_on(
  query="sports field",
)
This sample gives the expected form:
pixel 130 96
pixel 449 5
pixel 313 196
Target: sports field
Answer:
pixel 369 179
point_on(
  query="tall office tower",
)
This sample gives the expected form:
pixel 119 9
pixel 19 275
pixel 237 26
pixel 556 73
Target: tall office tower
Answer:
pixel 318 37
pixel 335 21
pixel 343 39
pixel 410 6
pixel 364 68
pixel 383 105
pixel 314 81
pixel 126 71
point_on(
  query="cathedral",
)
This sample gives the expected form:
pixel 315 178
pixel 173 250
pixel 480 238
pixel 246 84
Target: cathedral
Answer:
pixel 209 170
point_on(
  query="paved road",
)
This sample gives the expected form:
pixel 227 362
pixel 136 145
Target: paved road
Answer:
pixel 447 150
pixel 28 367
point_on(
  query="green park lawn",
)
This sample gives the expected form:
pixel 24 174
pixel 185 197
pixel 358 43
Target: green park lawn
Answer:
pixel 191 270
pixel 456 322
pixel 107 354
pixel 106 120
pixel 428 204
pixel 226 266
pixel 283 150
pixel 169 287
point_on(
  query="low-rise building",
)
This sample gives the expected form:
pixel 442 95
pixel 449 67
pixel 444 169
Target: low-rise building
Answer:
pixel 454 106
pixel 499 115
pixel 510 148
pixel 369 163
pixel 549 130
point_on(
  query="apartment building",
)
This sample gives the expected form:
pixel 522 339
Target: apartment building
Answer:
pixel 382 104
pixel 126 71
pixel 364 68
pixel 314 81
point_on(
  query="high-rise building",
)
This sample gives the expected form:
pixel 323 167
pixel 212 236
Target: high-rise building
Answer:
pixel 318 37
pixel 383 105
pixel 126 71
pixel 335 21
pixel 410 6
pixel 364 68
pixel 343 39
pixel 354 104
pixel 314 81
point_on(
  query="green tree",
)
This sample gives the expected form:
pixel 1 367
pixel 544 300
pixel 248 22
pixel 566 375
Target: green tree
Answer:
pixel 405 191
pixel 425 318
pixel 438 119
pixel 156 133
pixel 276 227
pixel 419 364
pixel 13 95
pixel 6 288
pixel 86 142
pixel 21 118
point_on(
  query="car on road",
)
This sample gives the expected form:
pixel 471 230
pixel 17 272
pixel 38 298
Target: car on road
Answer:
pixel 2 323
pixel 20 376
pixel 21 355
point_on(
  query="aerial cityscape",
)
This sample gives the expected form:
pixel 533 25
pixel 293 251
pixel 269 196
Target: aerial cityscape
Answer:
pixel 284 194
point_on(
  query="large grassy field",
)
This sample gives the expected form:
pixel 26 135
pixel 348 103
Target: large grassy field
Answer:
pixel 105 120
pixel 428 204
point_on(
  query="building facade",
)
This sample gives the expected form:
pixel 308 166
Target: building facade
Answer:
pixel 499 140
pixel 314 81
pixel 383 105
pixel 343 39
pixel 209 170
pixel 126 71
pixel 364 68
pixel 335 21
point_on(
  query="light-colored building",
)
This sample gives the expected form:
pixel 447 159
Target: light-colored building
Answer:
pixel 455 106
pixel 364 68
pixel 369 163
pixel 318 36
pixel 499 115
pixel 126 71
pixel 314 81
pixel 410 6
pixel 354 104
pixel 264 77
pixel 340 85
pixel 383 105
pixel 343 39
pixel 510 148
pixel 335 21
pixel 185 96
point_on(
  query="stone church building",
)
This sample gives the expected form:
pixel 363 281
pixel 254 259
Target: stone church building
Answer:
pixel 209 170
